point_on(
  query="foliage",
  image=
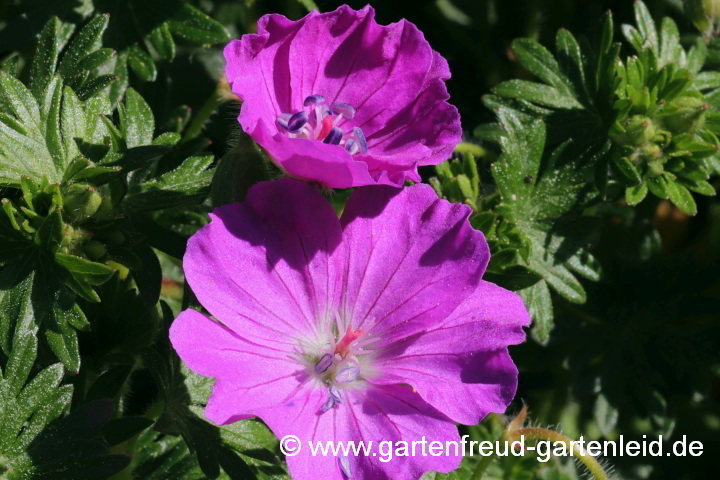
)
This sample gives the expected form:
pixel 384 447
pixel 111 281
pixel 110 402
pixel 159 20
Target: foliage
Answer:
pixel 590 164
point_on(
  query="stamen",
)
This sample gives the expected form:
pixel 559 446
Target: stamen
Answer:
pixel 334 136
pixel 329 403
pixel 350 373
pixel 351 146
pixel 313 99
pixel 360 137
pixel 333 399
pixel 297 121
pixel 345 465
pixel 343 347
pixel 324 363
pixel 335 394
pixel 344 109
pixel 282 121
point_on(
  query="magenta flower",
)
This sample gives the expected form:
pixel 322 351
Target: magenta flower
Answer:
pixel 376 326
pixel 337 99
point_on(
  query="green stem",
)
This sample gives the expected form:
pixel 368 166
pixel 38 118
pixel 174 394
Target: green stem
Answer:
pixel 217 98
pixel 596 470
pixel 482 465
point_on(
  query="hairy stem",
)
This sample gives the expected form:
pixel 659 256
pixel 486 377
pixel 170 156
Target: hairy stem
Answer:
pixel 596 470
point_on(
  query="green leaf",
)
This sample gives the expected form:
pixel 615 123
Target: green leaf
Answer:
pixel 30 146
pixel 95 86
pixel 626 170
pixel 85 41
pixel 696 56
pixel 53 135
pixel 142 64
pixel 572 62
pixel 34 441
pixel 92 272
pixel 707 80
pixel 646 25
pixel 541 63
pixel 162 42
pixel 42 69
pixel 543 208
pixel 96 59
pixel 636 194
pixel 539 303
pixel 536 93
pixel 137 123
pixel 193 26
pixel 188 183
pixel 670 49
pixel 681 198
pixel 238 170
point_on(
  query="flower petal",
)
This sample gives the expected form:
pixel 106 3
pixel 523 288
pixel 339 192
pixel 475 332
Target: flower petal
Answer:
pixel 265 268
pixel 248 375
pixel 311 160
pixel 380 414
pixel 462 366
pixel 388 74
pixel 411 259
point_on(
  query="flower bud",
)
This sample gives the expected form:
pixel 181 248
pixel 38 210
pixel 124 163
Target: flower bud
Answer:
pixel 685 114
pixel 638 131
pixel 94 249
pixel 81 201
pixel 702 13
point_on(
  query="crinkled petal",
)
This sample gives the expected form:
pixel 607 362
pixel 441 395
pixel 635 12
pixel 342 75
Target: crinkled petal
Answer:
pixel 411 258
pixel 389 73
pixel 265 267
pixel 462 366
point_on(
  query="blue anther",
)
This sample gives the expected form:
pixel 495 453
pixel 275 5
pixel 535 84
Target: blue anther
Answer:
pixel 344 109
pixel 334 137
pixel 282 121
pixel 324 363
pixel 351 146
pixel 360 137
pixel 297 121
pixel 348 373
pixel 313 99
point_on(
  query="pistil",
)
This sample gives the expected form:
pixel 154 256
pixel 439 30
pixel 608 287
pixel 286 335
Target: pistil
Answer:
pixel 319 121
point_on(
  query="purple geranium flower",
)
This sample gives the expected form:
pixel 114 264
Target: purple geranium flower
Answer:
pixel 377 326
pixel 338 99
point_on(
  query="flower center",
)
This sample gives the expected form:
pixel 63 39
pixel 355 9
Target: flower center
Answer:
pixel 319 121
pixel 339 358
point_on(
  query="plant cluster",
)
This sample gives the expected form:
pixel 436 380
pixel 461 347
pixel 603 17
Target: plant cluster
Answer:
pixel 591 170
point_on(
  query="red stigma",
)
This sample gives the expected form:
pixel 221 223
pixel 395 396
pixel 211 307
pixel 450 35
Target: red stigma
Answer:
pixel 327 124
pixel 343 347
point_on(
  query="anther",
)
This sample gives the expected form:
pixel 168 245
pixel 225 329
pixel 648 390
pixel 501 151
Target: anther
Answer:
pixel 351 146
pixel 349 373
pixel 282 121
pixel 297 121
pixel 360 137
pixel 334 137
pixel 313 99
pixel 344 109
pixel 324 363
